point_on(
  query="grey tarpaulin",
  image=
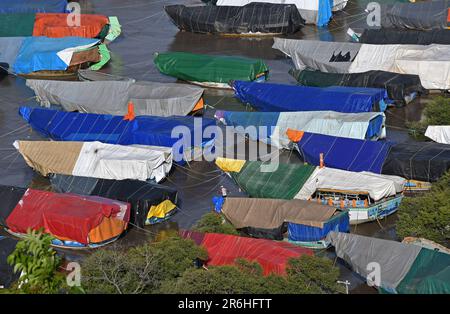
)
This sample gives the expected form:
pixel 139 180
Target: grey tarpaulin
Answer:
pixel 251 18
pixel 385 36
pixel 394 258
pixel 90 75
pixel 418 161
pixel 318 55
pixel 9 48
pixel 112 97
pixel 425 15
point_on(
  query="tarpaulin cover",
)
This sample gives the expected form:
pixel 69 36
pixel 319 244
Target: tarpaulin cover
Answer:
pixel 280 97
pixel 318 55
pixel 143 130
pixel 140 195
pixel 405 268
pixel 205 68
pixel 418 161
pixel 113 97
pixel 306 220
pixel 55 25
pixel 429 274
pixel 9 48
pixel 430 62
pixel 69 216
pixel 264 180
pixel 271 127
pixel 10 196
pixel 313 11
pixel 95 159
pixel 224 249
pixel 33 6
pixel 399 86
pixel 425 15
pixel 3 70
pixel 385 36
pixel 42 53
pixel 251 18
pixel 16 25
pixel 344 153
pixel 377 186
pixel 439 133
pixel 395 258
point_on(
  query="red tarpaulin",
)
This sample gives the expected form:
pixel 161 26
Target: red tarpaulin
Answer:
pixel 55 25
pixel 64 215
pixel 225 249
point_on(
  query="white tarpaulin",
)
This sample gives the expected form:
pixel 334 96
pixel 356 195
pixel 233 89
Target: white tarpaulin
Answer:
pixel 439 133
pixel 393 258
pixel 378 186
pixel 112 97
pixel 98 160
pixel 308 8
pixel 430 62
pixel 325 56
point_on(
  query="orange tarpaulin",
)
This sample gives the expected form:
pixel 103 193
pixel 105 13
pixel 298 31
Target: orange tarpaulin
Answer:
pixel 55 25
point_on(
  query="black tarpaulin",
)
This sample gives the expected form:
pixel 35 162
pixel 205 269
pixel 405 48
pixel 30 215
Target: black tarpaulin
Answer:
pixel 141 195
pixel 423 161
pixel 385 36
pixel 3 70
pixel 9 197
pixel 399 86
pixel 425 15
pixel 251 18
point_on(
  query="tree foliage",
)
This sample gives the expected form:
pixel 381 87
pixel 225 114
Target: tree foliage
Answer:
pixel 38 264
pixel 214 223
pixel 427 216
pixel 437 112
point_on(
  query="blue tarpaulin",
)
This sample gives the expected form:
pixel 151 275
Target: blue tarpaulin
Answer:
pixel 324 13
pixel 40 53
pixel 279 97
pixel 344 153
pixel 305 233
pixel 33 6
pixel 143 130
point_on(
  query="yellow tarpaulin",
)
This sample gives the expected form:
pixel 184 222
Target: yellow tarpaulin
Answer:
pixel 230 165
pixel 161 210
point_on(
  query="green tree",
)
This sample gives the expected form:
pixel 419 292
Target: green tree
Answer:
pixel 214 223
pixel 427 216
pixel 38 264
pixel 437 112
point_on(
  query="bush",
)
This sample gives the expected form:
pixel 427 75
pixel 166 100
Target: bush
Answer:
pixel 140 269
pixel 427 216
pixel 214 223
pixel 437 112
pixel 307 274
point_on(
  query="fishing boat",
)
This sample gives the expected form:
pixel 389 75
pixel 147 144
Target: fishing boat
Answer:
pixel 74 221
pixel 307 223
pixel 33 6
pixel 43 57
pixel 140 130
pixel 210 71
pixel 430 62
pixel 114 97
pixel 367 196
pixel 55 25
pixel 254 19
pixel 314 12
pixel 224 249
pixel 405 268
pixel 401 88
pixel 416 161
pixel 151 203
pixel 280 98
pixel 271 127
pixel 388 36
pixel 425 243
pixel 98 160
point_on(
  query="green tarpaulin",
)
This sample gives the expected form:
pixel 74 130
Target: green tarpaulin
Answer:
pixel 429 274
pixel 282 183
pixel 205 68
pixel 16 25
